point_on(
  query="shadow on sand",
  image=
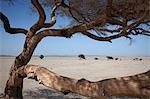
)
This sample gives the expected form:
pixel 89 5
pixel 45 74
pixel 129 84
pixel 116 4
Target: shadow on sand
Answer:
pixel 49 94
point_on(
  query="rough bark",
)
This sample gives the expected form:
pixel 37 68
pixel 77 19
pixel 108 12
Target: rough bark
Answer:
pixel 14 84
pixel 134 86
pixel 19 69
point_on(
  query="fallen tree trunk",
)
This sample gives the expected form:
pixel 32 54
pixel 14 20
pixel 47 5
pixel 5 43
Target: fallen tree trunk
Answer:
pixel 134 86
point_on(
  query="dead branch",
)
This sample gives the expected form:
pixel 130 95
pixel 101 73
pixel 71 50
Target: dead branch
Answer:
pixel 134 86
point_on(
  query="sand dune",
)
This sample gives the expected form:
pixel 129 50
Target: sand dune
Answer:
pixel 73 67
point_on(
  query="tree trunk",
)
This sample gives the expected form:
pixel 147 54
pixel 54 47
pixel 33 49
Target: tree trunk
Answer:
pixel 13 89
pixel 14 84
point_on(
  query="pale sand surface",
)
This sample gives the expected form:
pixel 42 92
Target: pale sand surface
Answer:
pixel 73 67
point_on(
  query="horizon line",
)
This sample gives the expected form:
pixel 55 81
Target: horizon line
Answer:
pixel 77 55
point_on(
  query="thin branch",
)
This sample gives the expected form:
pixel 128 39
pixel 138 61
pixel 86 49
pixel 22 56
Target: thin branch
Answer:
pixel 73 9
pixel 92 36
pixel 141 31
pixel 109 30
pixel 42 17
pixel 53 17
pixel 74 17
pixel 124 32
pixel 108 38
pixel 115 21
pixel 8 28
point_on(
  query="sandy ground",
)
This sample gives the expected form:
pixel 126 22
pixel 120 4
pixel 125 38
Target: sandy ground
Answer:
pixel 73 67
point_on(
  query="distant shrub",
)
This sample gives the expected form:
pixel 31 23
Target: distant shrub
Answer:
pixel 96 58
pixel 41 56
pixel 116 58
pixel 135 59
pixel 109 57
pixel 81 56
pixel 138 59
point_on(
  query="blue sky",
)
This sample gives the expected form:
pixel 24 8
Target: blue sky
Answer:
pixel 20 15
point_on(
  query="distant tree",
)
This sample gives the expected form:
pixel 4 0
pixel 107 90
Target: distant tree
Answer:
pixel 91 18
pixel 81 56
pixel 41 56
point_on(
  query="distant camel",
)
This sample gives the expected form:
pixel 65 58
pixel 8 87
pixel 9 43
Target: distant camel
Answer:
pixel 81 56
pixel 109 57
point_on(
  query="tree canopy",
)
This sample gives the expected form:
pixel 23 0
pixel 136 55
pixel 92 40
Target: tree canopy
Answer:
pixel 121 14
pixel 122 17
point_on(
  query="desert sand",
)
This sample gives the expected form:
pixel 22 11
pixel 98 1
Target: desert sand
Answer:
pixel 74 67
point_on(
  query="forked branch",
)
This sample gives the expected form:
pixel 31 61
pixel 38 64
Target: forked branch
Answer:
pixel 123 31
pixel 68 32
pixel 53 17
pixel 42 17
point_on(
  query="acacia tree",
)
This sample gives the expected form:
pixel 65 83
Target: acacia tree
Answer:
pixel 90 18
